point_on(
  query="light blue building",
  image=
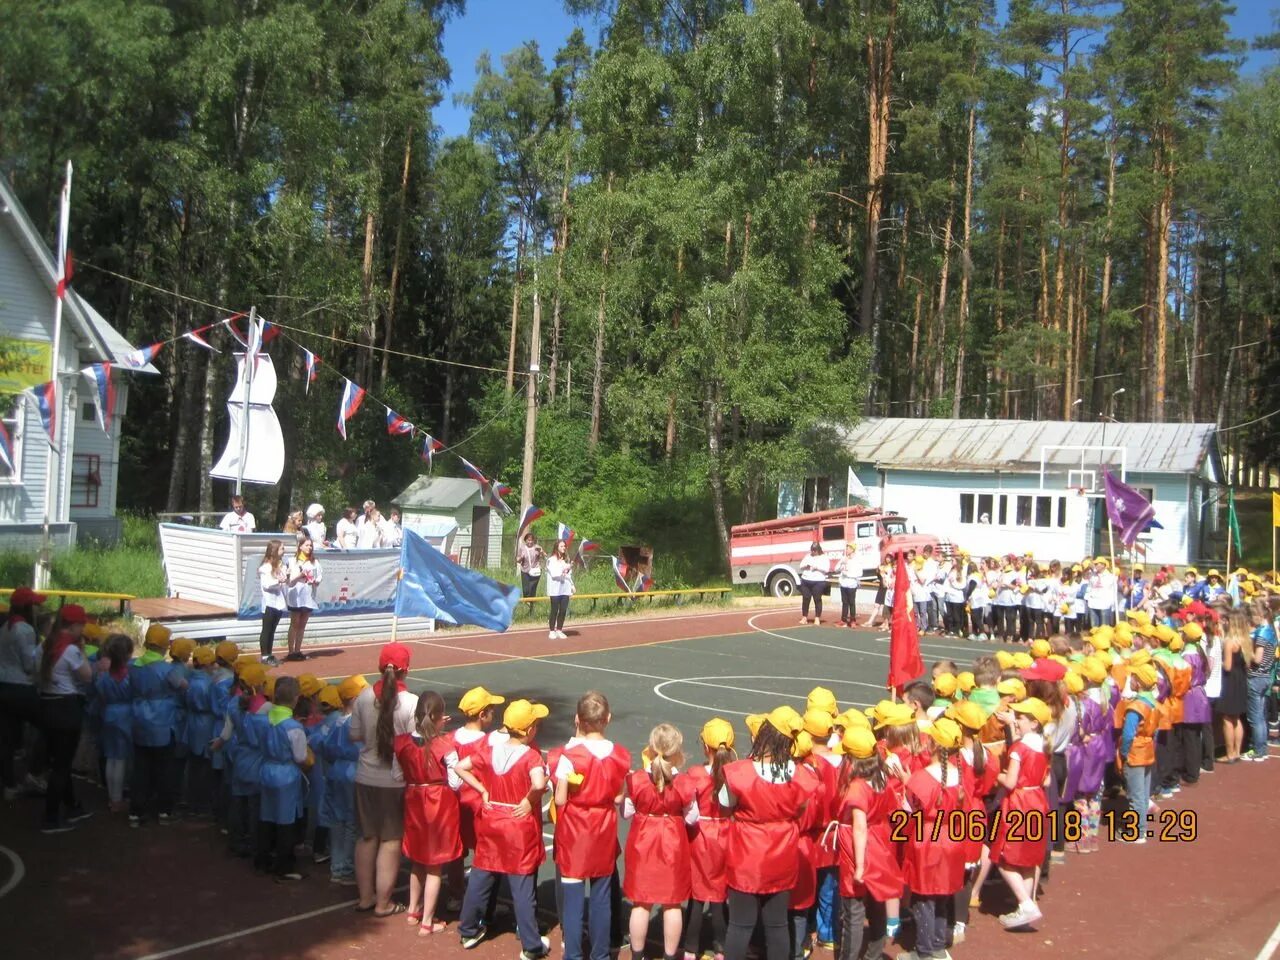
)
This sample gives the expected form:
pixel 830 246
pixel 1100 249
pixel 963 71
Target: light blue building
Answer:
pixel 1000 486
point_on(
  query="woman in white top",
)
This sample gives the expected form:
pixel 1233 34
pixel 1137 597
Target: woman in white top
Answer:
pixel 849 572
pixel 814 570
pixel 380 713
pixel 315 524
pixel 272 574
pixel 345 536
pixel 559 589
pixel 979 600
pixel 65 674
pixel 954 580
pixel 300 597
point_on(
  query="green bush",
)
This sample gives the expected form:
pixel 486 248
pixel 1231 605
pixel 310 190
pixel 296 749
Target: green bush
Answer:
pixel 133 566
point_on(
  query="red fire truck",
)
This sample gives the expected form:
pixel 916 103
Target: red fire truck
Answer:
pixel 769 552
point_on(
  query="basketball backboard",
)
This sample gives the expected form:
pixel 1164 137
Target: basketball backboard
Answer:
pixel 1079 468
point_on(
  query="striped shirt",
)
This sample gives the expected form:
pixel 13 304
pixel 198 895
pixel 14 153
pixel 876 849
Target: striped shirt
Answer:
pixel 1264 638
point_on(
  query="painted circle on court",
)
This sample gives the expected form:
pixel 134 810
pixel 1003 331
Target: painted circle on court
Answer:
pixel 760 688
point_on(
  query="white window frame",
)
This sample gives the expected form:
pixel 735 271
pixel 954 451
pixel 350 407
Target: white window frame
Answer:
pixel 16 423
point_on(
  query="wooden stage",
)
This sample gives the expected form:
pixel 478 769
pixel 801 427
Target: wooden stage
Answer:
pixel 177 608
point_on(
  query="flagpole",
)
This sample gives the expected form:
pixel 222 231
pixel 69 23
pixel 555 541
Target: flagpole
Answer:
pixel 40 576
pixel 248 389
pixel 395 611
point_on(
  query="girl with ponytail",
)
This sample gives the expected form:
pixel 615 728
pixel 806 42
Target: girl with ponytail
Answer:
pixel 656 865
pixel 708 838
pixel 381 713
pixel 934 862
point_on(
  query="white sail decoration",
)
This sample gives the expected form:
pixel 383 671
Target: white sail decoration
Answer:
pixel 264 461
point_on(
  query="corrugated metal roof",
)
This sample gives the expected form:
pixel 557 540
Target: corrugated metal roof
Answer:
pixel 1015 445
pixel 435 493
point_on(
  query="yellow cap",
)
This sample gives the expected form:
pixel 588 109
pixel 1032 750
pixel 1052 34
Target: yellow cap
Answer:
pixel 477 700
pixel 1145 674
pixel 1102 560
pixel 944 685
pixel 1095 670
pixel 754 722
pixel 1138 616
pixel 1242 571
pixel 803 745
pixel 1005 659
pixel 965 681
pixel 203 655
pixel 945 733
pixel 1193 571
pixel 1074 682
pixel 269 687
pixel 181 648
pixel 1100 641
pixel 1040 648
pixel 820 698
pixel 1036 708
pixel 858 743
pixel 967 714
pixel 95 632
pixel 1176 645
pixel 1213 573
pixel 717 733
pixel 157 636
pixel 227 652
pixel 330 697
pixel 309 684
pixel 1193 631
pixel 897 715
pixel 1122 635
pixel 521 715
pixel 786 720
pixel 1140 657
pixel 350 688
pixel 853 718
pixel 1012 687
pixel 253 674
pixel 817 723
pixel 1147 629
pixel 1164 633
pixel 1022 661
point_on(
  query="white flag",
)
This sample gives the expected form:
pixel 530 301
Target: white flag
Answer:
pixel 856 488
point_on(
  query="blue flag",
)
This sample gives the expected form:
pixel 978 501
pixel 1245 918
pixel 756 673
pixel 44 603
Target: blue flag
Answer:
pixel 432 585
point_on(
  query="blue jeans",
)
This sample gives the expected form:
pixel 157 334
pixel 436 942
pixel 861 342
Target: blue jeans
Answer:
pixel 931 925
pixel 1137 784
pixel 342 849
pixel 523 899
pixel 828 904
pixel 1098 618
pixel 1256 711
pixel 573 900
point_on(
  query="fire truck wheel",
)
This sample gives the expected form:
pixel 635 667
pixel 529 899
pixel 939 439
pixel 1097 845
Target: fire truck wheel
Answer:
pixel 781 585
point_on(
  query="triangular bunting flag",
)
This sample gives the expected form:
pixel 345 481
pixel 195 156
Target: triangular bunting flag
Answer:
pixel 352 397
pixel 397 425
pixel 142 356
pixel 197 337
pixel 313 363
pixel 47 401
pixel 620 575
pixel 6 448
pixel 643 582
pixel 269 332
pixel 104 393
pixel 234 330
pixel 430 447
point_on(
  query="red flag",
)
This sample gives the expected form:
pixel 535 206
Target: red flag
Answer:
pixel 905 664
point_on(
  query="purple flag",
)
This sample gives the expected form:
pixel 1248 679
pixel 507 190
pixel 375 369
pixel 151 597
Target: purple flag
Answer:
pixel 1129 510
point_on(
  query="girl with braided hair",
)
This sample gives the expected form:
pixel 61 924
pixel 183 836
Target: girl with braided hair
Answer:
pixel 708 838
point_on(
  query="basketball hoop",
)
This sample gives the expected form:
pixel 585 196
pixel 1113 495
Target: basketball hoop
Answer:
pixel 1079 491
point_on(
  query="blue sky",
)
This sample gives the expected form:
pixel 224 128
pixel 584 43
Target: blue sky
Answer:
pixel 502 25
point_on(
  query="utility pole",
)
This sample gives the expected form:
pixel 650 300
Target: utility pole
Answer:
pixel 531 399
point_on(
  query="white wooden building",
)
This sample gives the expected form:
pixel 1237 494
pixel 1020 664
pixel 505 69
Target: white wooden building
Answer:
pixel 83 494
pixel 428 501
pixel 1000 486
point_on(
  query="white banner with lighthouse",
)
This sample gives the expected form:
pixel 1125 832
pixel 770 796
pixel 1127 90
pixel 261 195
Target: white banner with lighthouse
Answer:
pixel 352 581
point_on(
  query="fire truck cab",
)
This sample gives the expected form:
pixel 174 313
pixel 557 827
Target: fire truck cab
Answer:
pixel 769 552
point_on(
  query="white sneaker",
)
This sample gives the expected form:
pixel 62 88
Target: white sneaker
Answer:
pixel 1026 913
pixel 552 635
pixel 561 635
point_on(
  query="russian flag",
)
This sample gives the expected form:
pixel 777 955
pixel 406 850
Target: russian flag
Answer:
pixel 474 473
pixel 620 575
pixel 235 331
pixel 496 493
pixel 430 446
pixel 47 401
pixel 313 364
pixel 64 281
pixel 397 425
pixel 104 393
pixel 643 582
pixel 587 546
pixel 352 397
pixel 141 357
pixel 531 513
pixel 564 532
pixel 269 332
pixel 197 337
pixel 6 448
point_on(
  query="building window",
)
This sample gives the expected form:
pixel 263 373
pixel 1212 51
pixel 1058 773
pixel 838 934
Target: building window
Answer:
pixel 966 508
pixel 1024 511
pixel 88 412
pixel 817 493
pixel 86 479
pixel 1003 519
pixel 1044 511
pixel 985 501
pixel 1062 511
pixel 14 423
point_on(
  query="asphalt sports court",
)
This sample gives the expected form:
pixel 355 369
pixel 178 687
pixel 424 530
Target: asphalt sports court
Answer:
pixel 105 891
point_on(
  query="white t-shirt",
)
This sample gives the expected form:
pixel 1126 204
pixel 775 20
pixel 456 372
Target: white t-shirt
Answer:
pixel 370 770
pixel 368 535
pixel 814 569
pixel 316 531
pixel 273 589
pixel 597 748
pixel 238 522
pixel 850 572
pixel 559 577
pixel 1213 676
pixel 302 594
pixel 345 535
pixel 62 679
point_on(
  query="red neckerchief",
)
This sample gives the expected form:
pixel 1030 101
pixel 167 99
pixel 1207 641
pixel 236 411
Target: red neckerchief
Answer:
pixel 59 645
pixel 377 688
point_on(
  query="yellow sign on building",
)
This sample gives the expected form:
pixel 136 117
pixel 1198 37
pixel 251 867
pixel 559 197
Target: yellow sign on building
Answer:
pixel 23 364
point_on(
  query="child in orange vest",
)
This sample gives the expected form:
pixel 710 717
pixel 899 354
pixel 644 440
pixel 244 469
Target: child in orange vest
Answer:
pixel 1138 719
pixel 588 773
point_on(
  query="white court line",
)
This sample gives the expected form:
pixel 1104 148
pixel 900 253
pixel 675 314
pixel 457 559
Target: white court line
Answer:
pixel 751 622
pixel 768 693
pixel 19 871
pixel 1269 948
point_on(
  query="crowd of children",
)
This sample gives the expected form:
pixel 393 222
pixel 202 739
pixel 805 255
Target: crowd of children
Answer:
pixel 825 827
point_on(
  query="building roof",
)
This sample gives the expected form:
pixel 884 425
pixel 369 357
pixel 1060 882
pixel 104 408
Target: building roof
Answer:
pixel 1015 446
pixel 437 493
pixel 104 341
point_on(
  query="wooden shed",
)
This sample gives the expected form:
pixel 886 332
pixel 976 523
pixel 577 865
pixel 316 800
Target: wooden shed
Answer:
pixel 478 541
